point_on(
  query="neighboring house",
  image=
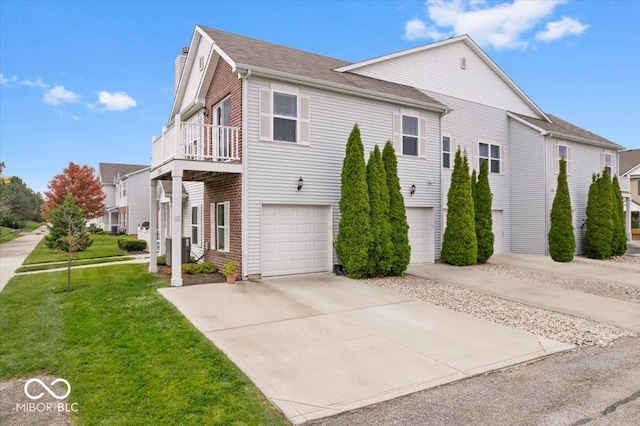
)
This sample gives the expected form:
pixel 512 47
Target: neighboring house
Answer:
pixel 264 128
pixel 126 187
pixel 630 186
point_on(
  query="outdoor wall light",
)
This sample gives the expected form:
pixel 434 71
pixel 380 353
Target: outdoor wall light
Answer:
pixel 413 189
pixel 300 182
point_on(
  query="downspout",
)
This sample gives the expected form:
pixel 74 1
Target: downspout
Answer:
pixel 245 169
pixel 442 184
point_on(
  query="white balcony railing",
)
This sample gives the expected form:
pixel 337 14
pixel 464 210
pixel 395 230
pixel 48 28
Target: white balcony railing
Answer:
pixel 197 142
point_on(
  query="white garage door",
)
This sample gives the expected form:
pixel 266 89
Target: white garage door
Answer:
pixel 421 234
pixel 497 217
pixel 295 240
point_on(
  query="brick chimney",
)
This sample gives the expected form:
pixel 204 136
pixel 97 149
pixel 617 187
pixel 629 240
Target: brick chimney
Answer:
pixel 180 61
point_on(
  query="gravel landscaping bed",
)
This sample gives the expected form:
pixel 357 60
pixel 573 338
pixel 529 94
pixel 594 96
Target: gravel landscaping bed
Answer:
pixel 626 293
pixel 541 322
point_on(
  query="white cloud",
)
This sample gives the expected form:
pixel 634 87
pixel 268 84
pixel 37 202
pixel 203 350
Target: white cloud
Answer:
pixel 35 83
pixel 59 95
pixel 501 26
pixel 6 81
pixel 559 29
pixel 117 101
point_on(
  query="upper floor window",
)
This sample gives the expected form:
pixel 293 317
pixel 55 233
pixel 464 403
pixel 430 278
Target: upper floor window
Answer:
pixel 607 163
pixel 446 152
pixel 490 153
pixel 563 151
pixel 409 135
pixel 285 117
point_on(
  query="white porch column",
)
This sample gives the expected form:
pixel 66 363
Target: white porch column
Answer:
pixel 176 229
pixel 153 225
pixel 627 219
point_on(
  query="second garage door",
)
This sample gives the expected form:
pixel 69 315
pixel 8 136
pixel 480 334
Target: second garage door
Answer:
pixel 295 239
pixel 421 232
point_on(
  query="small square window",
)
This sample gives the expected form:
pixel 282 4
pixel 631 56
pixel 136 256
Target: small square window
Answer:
pixel 489 153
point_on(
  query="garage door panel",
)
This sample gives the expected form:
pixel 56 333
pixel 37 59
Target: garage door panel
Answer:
pixel 421 234
pixel 295 239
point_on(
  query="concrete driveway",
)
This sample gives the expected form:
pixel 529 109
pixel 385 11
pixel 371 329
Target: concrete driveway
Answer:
pixel 319 344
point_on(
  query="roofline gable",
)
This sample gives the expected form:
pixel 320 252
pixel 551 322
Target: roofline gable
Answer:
pixel 473 46
pixel 635 170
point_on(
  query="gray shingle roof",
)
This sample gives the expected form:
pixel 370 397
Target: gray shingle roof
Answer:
pixel 560 127
pixel 108 172
pixel 253 53
pixel 628 160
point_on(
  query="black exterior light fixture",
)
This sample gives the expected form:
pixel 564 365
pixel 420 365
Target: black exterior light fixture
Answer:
pixel 300 183
pixel 413 189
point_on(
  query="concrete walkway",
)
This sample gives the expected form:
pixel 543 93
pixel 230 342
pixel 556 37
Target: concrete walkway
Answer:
pixel 14 252
pixel 583 305
pixel 319 344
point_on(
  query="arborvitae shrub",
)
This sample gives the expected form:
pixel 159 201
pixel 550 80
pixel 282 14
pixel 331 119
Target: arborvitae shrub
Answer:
pixel 354 234
pixel 381 249
pixel 401 254
pixel 619 240
pixel 459 244
pixel 484 221
pixel 562 242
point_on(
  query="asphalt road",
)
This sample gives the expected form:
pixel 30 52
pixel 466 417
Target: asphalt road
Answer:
pixel 592 386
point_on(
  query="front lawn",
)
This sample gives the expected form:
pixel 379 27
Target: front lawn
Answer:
pixel 103 246
pixel 129 355
pixel 8 234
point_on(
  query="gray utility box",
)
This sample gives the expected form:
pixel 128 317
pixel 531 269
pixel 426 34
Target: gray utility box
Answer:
pixel 186 250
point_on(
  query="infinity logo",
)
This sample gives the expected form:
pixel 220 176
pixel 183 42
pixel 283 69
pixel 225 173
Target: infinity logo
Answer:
pixel 51 392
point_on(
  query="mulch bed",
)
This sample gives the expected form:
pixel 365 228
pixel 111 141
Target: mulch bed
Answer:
pixel 165 272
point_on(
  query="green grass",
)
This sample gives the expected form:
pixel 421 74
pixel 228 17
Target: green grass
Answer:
pixel 8 234
pixel 56 265
pixel 103 246
pixel 130 356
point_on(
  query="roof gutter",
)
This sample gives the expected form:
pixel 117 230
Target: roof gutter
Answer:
pixel 573 138
pixel 340 88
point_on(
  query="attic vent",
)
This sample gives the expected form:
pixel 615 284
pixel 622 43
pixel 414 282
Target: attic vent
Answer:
pixel 201 62
pixel 463 63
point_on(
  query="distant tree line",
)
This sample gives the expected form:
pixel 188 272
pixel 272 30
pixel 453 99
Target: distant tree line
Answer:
pixel 18 202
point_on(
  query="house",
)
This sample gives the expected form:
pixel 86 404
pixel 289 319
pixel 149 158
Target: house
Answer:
pixel 630 186
pixel 126 187
pixel 263 127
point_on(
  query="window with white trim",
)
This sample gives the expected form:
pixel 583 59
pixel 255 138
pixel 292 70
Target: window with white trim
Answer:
pixel 607 162
pixel 446 152
pixel 195 225
pixel 490 153
pixel 563 151
pixel 222 226
pixel 409 135
pixel 285 117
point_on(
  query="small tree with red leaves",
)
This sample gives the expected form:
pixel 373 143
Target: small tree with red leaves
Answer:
pixel 84 186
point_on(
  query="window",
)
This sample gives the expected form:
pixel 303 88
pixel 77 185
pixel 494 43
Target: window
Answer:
pixel 285 117
pixel 638 182
pixel 563 151
pixel 446 152
pixel 607 160
pixel 409 135
pixel 223 135
pixel 222 226
pixel 195 225
pixel 489 153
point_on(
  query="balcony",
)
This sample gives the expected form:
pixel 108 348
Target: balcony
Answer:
pixel 196 148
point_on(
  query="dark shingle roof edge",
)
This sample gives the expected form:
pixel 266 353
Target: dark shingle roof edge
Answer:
pixel 562 129
pixel 109 171
pixel 629 160
pixel 289 64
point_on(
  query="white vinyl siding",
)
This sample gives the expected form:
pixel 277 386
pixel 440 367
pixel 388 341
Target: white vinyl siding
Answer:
pixel 194 77
pixel 528 198
pixel 438 70
pixel 331 121
pixel 284 115
pixel 222 226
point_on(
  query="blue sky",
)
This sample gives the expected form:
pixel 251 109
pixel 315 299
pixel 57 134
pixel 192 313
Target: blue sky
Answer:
pixel 92 81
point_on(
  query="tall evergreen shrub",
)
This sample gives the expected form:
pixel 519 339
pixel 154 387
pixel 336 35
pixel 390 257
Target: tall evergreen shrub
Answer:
pixel 354 234
pixel 562 242
pixel 399 228
pixel 599 233
pixel 381 249
pixel 484 221
pixel 459 244
pixel 619 240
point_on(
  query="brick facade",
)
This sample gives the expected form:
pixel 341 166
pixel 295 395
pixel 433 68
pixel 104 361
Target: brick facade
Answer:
pixel 224 187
